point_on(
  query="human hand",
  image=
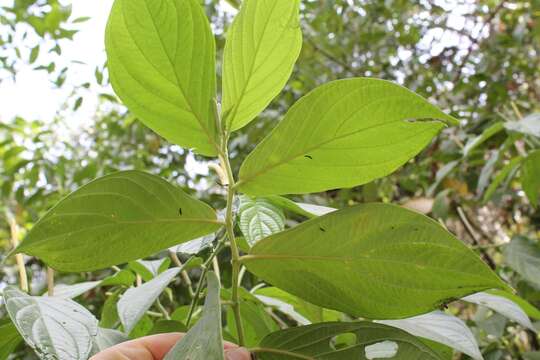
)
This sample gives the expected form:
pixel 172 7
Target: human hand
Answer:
pixel 157 346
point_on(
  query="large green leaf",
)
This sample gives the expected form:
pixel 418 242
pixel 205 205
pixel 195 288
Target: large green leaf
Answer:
pixel 259 218
pixel 161 57
pixel 204 341
pixel 342 134
pixel 523 256
pixel 9 338
pixel 361 259
pixel 262 46
pixel 316 342
pixel 54 328
pixel 530 176
pixel 117 218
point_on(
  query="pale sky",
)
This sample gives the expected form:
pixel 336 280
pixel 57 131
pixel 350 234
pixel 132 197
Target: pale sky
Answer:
pixel 33 96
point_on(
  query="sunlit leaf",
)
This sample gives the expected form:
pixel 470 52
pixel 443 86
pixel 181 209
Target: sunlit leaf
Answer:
pixel 262 46
pixel 359 260
pixel 342 134
pixel 117 218
pixel 161 58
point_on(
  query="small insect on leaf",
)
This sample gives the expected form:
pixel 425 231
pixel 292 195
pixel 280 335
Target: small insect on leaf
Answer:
pixel 308 157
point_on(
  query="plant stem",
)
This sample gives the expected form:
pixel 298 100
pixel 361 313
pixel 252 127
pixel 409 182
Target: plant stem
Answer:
pixel 205 268
pixel 50 281
pixel 183 273
pixel 19 257
pixel 162 309
pixel 229 225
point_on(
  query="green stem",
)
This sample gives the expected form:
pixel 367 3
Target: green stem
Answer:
pixel 162 309
pixel 229 225
pixel 205 268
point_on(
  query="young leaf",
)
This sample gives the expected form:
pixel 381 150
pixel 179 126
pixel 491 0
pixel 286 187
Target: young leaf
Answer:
pixel 359 260
pixel 137 300
pixel 54 328
pixel 440 327
pixel 259 218
pixel 342 134
pixel 161 58
pixel 204 340
pixel 262 46
pixel 117 218
pixel 530 176
pixel 9 338
pixel 315 342
pixel 503 306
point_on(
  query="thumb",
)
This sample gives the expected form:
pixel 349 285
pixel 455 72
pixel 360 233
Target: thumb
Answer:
pixel 237 354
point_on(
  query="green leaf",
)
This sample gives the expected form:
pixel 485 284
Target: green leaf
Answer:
pixel 530 176
pixel 204 340
pixel 117 218
pixel 503 174
pixel 303 209
pixel 342 134
pixel 54 328
pixel 161 58
pixel 9 338
pixel 442 328
pixel 482 138
pixel 523 256
pixel 259 218
pixel 168 326
pixel 262 46
pixel 137 300
pixel 109 313
pixel 317 342
pixel 123 277
pixel 359 260
pixel 34 53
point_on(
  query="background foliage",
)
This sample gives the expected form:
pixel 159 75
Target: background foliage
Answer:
pixel 478 59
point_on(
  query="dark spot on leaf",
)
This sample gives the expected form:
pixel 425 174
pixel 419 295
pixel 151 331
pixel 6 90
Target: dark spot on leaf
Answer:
pixel 180 211
pixel 308 157
pixel 322 229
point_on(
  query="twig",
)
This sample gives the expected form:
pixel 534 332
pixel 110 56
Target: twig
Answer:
pixel 476 241
pixel 23 278
pixel 330 57
pixel 183 273
pixel 50 281
pixel 475 41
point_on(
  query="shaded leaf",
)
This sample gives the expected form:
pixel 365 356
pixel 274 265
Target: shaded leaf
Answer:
pixel 332 138
pixel 137 300
pixel 315 342
pixel 193 247
pixel 204 340
pixel 380 251
pixel 52 327
pixel 9 338
pixel 107 338
pixel 149 269
pixel 442 328
pixel 117 218
pixel 72 291
pixel 523 256
pixel 530 176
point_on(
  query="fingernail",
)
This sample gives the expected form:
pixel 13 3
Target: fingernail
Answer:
pixel 237 354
